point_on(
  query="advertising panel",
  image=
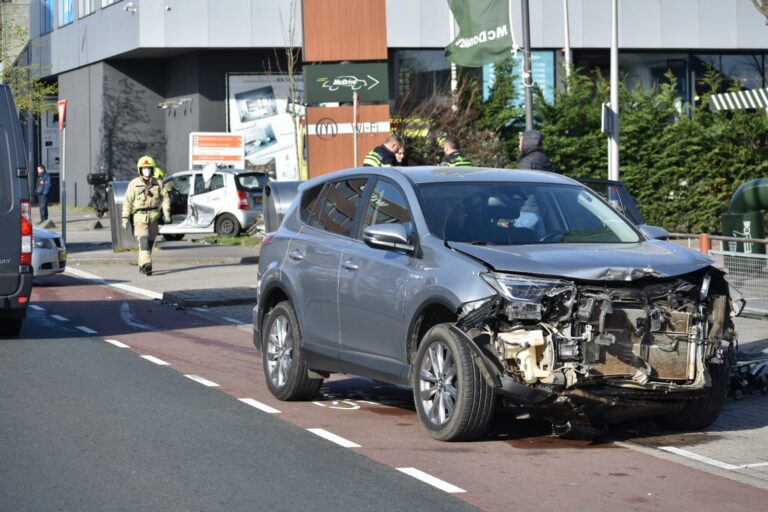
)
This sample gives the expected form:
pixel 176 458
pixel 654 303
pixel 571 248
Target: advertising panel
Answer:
pixel 326 83
pixel 259 108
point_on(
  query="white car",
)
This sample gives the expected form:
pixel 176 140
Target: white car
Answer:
pixel 49 254
pixel 228 202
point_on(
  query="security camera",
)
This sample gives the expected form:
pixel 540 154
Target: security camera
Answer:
pixel 129 7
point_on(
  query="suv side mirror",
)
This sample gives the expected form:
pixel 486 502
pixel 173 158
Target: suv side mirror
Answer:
pixel 387 236
pixel 654 232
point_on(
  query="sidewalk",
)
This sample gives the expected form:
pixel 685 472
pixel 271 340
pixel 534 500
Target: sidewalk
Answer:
pixel 220 280
pixel 186 273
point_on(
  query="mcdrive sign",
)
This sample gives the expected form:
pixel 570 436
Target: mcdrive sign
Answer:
pixel 325 83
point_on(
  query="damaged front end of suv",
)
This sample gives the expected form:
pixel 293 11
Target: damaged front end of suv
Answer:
pixel 596 352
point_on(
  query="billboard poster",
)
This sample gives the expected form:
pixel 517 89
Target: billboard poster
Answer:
pixel 258 107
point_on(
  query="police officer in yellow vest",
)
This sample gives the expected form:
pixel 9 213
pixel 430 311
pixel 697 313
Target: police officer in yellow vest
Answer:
pixel 453 154
pixel 144 200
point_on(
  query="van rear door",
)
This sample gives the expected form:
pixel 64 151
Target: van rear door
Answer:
pixel 15 278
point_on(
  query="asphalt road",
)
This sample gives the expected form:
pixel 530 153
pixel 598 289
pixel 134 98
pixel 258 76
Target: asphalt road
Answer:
pixel 87 426
pixel 188 442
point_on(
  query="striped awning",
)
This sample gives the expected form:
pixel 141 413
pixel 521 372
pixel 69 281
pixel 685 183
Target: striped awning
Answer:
pixel 755 98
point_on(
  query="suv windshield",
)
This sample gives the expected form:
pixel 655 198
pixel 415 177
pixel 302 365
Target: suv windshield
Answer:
pixel 251 181
pixel 505 213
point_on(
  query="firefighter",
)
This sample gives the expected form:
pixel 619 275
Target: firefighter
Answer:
pixel 384 155
pixel 453 155
pixel 146 202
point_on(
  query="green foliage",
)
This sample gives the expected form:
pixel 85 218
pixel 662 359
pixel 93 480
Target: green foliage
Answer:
pixel 681 170
pixel 29 92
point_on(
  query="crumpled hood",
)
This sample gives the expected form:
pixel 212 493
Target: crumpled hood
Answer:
pixel 592 262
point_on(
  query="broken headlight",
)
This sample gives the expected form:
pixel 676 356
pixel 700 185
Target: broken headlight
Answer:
pixel 530 298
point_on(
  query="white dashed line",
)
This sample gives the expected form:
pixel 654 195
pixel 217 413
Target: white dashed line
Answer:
pixel 155 360
pixel 86 330
pixel 202 310
pixel 333 438
pixel 202 380
pixel 260 406
pixel 699 458
pixel 232 320
pixel 120 286
pixel 60 318
pixel 36 308
pixel 431 480
pixel 117 344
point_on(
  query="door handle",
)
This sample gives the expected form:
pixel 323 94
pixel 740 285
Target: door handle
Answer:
pixel 350 265
pixel 296 255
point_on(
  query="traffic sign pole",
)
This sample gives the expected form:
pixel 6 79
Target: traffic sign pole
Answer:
pixel 62 107
pixel 355 103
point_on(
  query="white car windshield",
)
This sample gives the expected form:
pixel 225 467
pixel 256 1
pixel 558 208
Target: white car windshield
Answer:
pixel 495 213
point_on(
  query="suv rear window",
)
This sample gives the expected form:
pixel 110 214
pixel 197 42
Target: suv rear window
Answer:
pixel 251 181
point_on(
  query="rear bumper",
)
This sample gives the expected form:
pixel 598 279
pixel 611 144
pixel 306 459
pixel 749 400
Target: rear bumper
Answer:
pixel 15 305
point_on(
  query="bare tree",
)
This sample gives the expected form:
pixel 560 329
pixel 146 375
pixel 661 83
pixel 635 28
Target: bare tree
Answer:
pixel 292 64
pixel 762 6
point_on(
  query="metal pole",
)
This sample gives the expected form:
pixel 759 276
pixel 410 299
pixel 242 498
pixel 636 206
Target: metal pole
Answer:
pixel 527 78
pixel 567 35
pixel 613 143
pixel 64 184
pixel 355 103
pixel 454 74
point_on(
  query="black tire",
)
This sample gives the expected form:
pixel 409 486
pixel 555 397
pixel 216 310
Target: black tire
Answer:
pixel 227 225
pixel 284 367
pixel 174 237
pixel 453 400
pixel 699 413
pixel 10 327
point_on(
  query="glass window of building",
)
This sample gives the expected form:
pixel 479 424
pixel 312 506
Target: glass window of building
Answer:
pixel 66 12
pixel 47 16
pixel 420 74
pixel 86 7
pixel 746 70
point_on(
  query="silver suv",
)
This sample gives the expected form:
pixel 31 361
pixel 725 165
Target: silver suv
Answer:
pixel 487 287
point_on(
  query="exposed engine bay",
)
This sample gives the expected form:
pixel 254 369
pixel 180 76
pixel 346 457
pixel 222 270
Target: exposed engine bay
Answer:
pixel 603 351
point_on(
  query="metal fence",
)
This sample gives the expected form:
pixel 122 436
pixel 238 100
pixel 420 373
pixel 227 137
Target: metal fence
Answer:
pixel 744 259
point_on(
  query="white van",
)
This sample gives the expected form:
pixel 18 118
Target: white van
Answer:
pixel 15 221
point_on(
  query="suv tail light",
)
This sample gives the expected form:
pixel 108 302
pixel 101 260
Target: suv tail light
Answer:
pixel 242 200
pixel 26 233
pixel 267 239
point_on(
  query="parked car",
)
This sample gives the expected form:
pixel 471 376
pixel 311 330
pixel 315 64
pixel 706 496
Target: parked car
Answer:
pixel 49 256
pixel 481 286
pixel 15 221
pixel 616 193
pixel 228 203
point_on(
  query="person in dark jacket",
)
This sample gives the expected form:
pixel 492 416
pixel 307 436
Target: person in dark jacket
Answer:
pixel 41 191
pixel 532 155
pixel 453 155
pixel 384 155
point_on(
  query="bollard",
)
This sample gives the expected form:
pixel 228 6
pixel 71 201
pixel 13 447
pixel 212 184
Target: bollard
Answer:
pixel 705 243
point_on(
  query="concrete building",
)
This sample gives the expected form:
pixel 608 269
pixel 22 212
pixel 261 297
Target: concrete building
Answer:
pixel 140 75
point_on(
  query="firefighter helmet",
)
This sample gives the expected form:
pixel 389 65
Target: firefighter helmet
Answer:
pixel 145 161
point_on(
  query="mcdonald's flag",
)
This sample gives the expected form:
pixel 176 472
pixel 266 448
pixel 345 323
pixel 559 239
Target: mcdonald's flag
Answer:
pixel 485 34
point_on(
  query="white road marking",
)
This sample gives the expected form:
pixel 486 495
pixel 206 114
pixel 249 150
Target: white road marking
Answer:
pixel 757 465
pixel 232 320
pixel 156 360
pixel 117 344
pixel 202 380
pixel 344 405
pixel 60 318
pixel 431 480
pixel 699 458
pixel 201 309
pixel 126 315
pixel 333 438
pixel 36 307
pixel 120 286
pixel 260 406
pixel 86 330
